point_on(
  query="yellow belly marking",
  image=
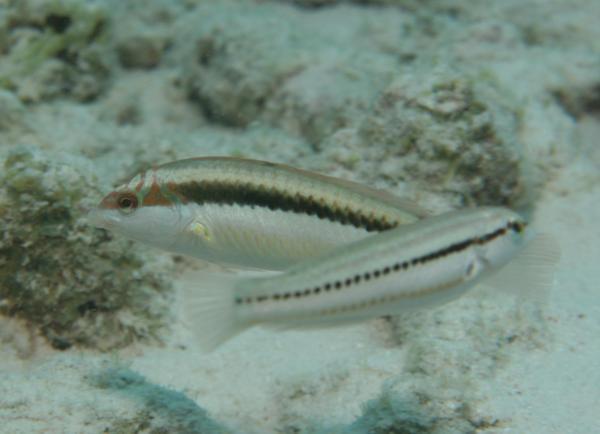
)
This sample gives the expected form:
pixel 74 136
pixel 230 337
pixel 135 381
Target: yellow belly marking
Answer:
pixel 199 230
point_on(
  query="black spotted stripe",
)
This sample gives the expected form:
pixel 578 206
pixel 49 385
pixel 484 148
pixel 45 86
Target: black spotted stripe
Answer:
pixel 337 285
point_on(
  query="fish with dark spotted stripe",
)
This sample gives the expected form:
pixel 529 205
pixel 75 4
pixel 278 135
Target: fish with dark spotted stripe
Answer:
pixel 414 266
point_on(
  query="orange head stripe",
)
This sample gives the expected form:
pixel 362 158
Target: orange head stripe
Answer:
pixel 172 190
pixel 110 201
pixel 140 184
pixel 154 197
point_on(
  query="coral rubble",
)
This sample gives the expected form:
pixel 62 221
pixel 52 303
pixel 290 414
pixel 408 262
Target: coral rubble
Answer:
pixel 72 282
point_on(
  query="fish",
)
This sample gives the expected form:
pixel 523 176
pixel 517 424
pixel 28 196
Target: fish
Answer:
pixel 416 266
pixel 247 213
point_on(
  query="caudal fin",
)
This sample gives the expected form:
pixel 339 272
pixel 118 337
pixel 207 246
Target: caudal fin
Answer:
pixel 209 308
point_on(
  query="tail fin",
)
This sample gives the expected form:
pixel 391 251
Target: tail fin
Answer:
pixel 530 275
pixel 209 308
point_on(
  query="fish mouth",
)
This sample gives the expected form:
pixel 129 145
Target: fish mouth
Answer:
pixel 100 219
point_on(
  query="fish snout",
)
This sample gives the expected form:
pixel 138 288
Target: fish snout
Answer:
pixel 100 218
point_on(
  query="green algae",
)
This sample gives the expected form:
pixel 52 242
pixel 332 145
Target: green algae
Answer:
pixel 73 283
pixel 53 48
pixel 440 134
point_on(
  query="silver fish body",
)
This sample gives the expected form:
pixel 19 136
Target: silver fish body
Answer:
pixel 247 213
pixel 427 263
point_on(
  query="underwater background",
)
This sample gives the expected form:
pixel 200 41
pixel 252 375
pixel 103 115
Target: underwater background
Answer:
pixel 448 103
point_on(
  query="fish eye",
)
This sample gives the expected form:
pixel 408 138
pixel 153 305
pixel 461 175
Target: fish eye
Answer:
pixel 517 226
pixel 127 203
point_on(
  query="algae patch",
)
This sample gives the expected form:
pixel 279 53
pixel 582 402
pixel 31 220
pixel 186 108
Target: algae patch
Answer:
pixel 442 134
pixel 53 48
pixel 72 282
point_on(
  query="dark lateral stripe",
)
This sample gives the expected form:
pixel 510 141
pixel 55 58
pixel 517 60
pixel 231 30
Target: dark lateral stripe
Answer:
pixel 273 199
pixel 368 275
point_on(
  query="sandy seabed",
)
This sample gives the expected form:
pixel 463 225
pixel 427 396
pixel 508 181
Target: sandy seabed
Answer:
pixel 434 84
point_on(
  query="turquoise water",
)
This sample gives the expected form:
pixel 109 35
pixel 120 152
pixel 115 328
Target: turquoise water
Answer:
pixel 445 103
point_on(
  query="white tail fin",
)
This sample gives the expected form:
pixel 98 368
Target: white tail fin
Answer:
pixel 530 274
pixel 209 308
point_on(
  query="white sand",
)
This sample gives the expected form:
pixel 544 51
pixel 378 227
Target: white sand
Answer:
pixel 263 380
pixel 480 361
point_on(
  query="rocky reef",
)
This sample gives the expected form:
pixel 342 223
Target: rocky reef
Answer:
pixel 53 48
pixel 71 282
